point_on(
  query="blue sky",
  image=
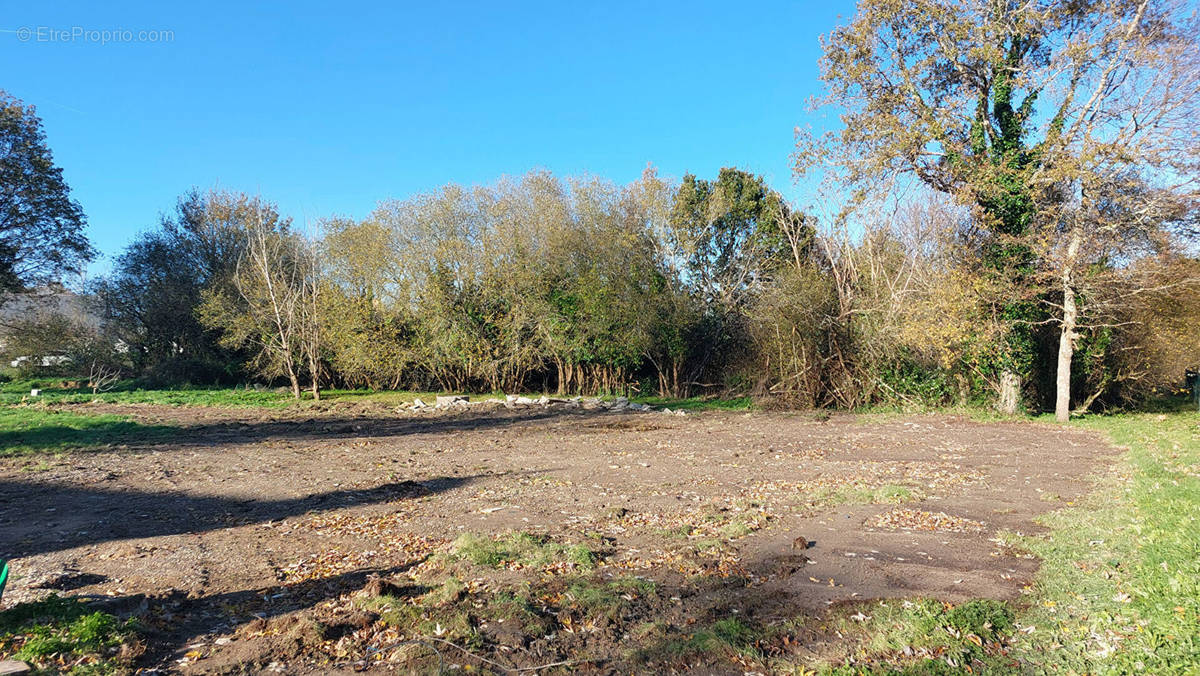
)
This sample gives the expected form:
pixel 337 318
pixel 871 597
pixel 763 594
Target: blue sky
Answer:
pixel 327 108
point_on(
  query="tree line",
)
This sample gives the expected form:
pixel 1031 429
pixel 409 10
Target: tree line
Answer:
pixel 1008 217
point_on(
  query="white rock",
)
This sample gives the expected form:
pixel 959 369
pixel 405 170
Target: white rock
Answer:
pixel 417 403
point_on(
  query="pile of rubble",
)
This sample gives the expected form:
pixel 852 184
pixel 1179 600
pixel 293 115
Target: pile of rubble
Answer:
pixel 462 402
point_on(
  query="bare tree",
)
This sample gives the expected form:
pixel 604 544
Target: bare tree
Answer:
pixel 277 308
pixel 102 377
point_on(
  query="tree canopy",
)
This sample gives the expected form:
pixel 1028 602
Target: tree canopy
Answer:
pixel 41 228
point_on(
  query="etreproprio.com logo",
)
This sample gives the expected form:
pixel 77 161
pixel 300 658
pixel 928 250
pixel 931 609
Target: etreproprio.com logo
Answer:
pixel 100 36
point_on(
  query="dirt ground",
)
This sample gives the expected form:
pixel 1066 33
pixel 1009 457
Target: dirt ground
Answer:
pixel 251 517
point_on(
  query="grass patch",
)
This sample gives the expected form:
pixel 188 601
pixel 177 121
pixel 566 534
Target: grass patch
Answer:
pixel 63 635
pixel 848 494
pixel 522 550
pixel 1119 587
pixel 729 636
pixel 889 494
pixel 924 636
pixel 26 431
pixel 129 392
pixel 132 392
pixel 607 598
pixel 511 614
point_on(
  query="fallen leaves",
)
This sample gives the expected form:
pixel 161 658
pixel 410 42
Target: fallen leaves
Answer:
pixel 901 518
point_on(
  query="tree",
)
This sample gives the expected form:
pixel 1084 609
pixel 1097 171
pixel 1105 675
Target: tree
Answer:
pixel 729 231
pixel 730 235
pixel 369 334
pixel 276 310
pixel 1033 113
pixel 151 296
pixel 41 227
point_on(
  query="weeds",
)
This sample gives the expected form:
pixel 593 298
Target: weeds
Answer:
pixel 520 550
pixel 63 635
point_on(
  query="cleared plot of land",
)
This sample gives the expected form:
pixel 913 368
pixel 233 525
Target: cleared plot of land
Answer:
pixel 528 537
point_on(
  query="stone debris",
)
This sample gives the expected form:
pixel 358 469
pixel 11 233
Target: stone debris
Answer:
pixel 461 402
pixel 449 400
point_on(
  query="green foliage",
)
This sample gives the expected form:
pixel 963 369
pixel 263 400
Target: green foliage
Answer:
pixel 63 635
pixel 156 286
pixel 41 227
pixel 730 230
pixel 910 382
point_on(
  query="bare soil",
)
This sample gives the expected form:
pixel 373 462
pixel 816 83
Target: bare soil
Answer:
pixel 228 539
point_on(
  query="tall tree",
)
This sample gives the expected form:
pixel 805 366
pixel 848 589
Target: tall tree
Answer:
pixel 729 230
pixel 731 235
pixel 41 227
pixel 1035 113
pixel 151 296
pixel 274 306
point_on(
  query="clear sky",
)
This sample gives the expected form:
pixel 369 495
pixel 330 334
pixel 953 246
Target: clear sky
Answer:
pixel 327 108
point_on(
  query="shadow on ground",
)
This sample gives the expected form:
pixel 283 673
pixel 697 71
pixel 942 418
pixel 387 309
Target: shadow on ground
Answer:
pixel 36 518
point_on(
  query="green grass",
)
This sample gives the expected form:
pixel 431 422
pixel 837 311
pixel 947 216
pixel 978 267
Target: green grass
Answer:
pixel 1119 587
pixel 925 636
pixel 607 597
pixel 888 494
pixel 129 393
pixel 524 549
pixel 727 637
pixel 26 430
pixel 63 635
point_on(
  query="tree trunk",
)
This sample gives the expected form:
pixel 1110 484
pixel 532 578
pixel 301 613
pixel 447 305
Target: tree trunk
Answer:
pixel 1010 392
pixel 1066 339
pixel 315 369
pixel 295 383
pixel 1066 350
